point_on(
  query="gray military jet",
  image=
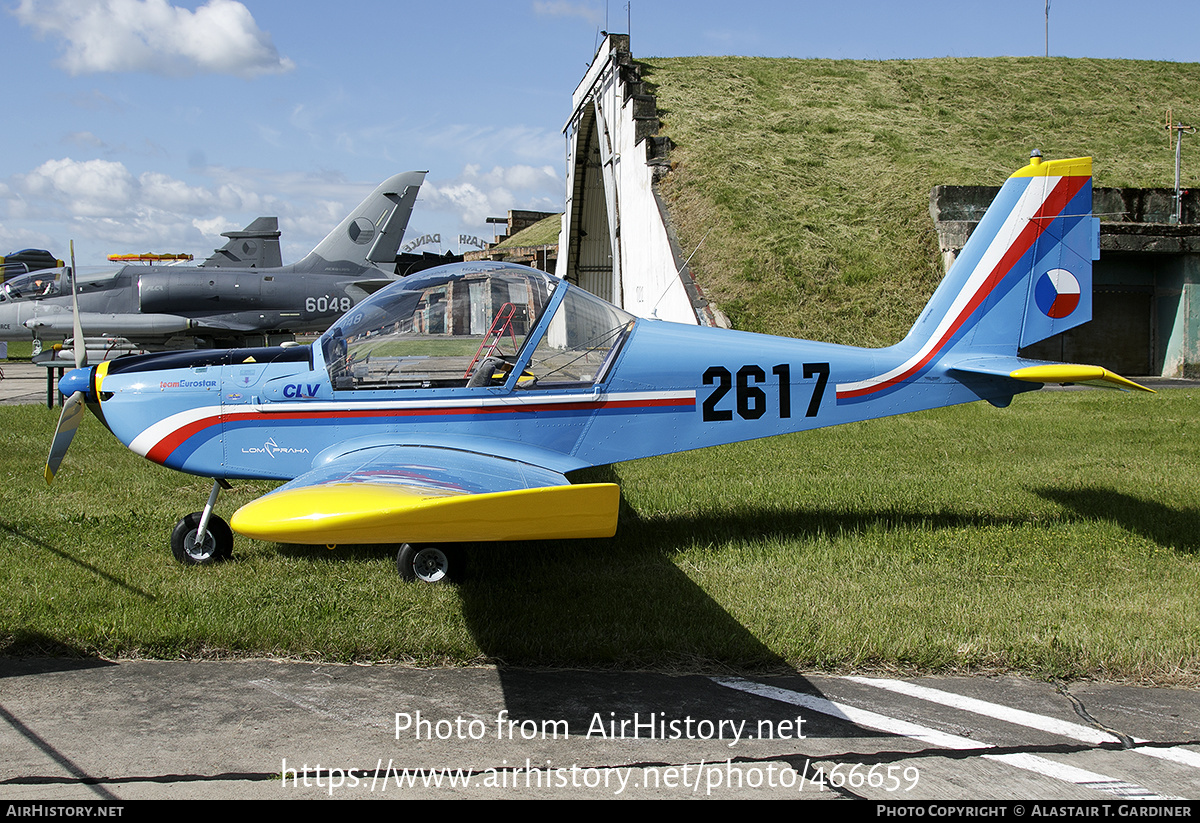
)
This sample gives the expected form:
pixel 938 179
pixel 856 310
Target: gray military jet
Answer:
pixel 234 298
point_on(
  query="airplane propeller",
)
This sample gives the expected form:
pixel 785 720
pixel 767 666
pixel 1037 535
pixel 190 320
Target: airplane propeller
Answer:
pixel 78 344
pixel 68 422
pixel 72 411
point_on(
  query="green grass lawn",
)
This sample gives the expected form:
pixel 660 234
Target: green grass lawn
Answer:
pixel 19 350
pixel 1056 538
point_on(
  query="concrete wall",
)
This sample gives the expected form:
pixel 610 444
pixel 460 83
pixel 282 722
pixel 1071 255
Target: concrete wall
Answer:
pixel 1148 275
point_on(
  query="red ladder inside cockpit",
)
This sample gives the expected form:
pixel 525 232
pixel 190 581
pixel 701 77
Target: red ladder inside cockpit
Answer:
pixel 501 324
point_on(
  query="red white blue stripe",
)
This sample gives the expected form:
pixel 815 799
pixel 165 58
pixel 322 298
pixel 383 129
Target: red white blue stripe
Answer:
pixel 160 440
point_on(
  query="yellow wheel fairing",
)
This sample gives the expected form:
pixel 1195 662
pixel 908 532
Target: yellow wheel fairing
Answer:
pixel 367 513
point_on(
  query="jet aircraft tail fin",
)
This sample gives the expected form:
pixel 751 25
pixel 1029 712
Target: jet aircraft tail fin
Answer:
pixel 255 247
pixel 371 234
pixel 1024 274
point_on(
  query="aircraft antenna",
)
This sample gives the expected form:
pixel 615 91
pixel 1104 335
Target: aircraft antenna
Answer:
pixel 1177 130
pixel 678 271
pixel 1047 28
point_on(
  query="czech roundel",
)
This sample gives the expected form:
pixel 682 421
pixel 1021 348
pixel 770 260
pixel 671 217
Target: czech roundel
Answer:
pixel 1057 293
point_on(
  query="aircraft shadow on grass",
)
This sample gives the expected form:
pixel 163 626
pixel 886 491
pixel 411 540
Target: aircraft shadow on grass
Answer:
pixel 13 534
pixel 624 601
pixel 1171 528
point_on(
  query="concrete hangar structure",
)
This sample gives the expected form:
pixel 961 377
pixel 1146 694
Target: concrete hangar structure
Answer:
pixel 617 241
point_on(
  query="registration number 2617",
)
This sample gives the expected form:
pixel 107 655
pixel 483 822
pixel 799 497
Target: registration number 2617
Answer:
pixel 752 391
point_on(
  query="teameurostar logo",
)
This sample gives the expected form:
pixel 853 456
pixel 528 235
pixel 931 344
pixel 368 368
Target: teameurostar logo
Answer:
pixel 1057 293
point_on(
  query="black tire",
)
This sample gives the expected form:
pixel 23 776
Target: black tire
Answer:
pixel 429 564
pixel 217 544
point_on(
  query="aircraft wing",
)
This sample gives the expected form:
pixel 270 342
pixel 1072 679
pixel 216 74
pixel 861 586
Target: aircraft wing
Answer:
pixel 428 494
pixel 1041 371
pixel 373 285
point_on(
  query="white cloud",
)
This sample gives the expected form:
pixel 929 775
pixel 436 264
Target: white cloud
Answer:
pixel 107 208
pixel 87 188
pixel 214 227
pixel 475 196
pixel 162 192
pixel 220 37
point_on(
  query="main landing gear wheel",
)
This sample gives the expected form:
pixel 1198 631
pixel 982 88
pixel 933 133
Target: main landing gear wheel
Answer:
pixel 429 564
pixel 216 546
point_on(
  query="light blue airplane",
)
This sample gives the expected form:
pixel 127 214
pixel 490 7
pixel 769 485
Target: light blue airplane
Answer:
pixel 451 408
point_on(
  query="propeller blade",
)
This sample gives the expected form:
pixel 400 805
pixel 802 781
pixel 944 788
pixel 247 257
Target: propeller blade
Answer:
pixel 79 344
pixel 68 422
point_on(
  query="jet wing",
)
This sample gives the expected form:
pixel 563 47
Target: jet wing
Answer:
pixel 1040 371
pixel 428 494
pixel 373 285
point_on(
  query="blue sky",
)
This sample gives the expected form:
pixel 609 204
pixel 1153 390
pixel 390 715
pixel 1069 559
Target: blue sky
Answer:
pixel 154 125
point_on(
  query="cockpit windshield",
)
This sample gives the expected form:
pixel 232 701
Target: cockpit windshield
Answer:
pixel 467 325
pixel 43 283
pixel 437 329
pixel 581 341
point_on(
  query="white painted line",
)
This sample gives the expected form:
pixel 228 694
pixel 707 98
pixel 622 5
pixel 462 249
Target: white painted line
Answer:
pixel 1064 728
pixel 891 725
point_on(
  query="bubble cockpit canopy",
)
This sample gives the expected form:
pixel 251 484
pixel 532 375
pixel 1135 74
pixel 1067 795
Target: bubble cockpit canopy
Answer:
pixel 35 284
pixel 469 325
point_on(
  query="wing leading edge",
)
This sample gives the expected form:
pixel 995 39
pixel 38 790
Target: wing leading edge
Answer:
pixel 425 494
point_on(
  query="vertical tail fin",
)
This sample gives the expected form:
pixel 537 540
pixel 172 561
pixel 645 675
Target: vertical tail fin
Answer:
pixel 1024 274
pixel 255 247
pixel 373 231
pixel 1026 271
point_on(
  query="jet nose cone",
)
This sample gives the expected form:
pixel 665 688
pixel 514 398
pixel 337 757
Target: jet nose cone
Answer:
pixel 75 380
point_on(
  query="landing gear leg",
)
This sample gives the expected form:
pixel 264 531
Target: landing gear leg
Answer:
pixel 203 537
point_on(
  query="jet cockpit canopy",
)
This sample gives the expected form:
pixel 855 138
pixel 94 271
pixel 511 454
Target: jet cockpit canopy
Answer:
pixel 35 284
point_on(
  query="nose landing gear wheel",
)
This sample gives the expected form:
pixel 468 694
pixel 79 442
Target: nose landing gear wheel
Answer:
pixel 216 546
pixel 429 564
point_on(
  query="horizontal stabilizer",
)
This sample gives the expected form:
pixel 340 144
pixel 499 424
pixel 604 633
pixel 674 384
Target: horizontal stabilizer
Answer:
pixel 367 513
pixel 1075 373
pixel 1034 371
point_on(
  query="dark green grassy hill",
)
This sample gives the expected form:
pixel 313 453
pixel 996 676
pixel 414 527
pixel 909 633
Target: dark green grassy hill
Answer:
pixel 814 175
pixel 540 233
